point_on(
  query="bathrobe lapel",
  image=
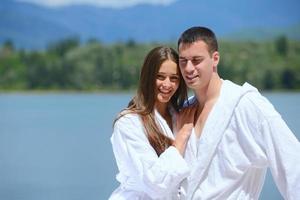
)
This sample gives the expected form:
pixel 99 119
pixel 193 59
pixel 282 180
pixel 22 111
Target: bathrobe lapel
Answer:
pixel 213 131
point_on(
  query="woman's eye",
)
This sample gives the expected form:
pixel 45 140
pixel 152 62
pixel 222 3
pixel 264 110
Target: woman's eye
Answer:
pixel 160 77
pixel 174 78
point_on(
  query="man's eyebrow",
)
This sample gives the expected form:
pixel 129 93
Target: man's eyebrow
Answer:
pixel 181 57
pixel 196 57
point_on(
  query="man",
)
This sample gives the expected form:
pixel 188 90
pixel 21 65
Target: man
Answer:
pixel 237 133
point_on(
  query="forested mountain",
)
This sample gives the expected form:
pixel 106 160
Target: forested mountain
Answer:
pixel 67 65
pixel 33 27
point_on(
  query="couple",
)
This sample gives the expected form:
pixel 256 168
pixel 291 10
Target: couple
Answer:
pixel 216 145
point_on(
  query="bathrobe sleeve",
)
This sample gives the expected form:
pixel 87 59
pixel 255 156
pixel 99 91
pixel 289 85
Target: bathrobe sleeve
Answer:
pixel 282 149
pixel 150 174
pixel 279 144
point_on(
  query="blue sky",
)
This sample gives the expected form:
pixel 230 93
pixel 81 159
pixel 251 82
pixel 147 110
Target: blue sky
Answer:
pixel 101 3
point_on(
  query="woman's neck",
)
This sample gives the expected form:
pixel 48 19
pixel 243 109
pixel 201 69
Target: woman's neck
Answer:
pixel 162 109
pixel 164 112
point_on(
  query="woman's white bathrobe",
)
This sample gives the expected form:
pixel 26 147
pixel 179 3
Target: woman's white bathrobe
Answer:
pixel 142 174
pixel 242 137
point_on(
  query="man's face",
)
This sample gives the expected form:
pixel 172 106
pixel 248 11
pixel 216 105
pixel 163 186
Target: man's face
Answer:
pixel 197 64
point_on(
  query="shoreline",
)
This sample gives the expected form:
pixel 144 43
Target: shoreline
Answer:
pixel 114 91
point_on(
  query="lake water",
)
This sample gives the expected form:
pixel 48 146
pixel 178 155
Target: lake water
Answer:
pixel 57 147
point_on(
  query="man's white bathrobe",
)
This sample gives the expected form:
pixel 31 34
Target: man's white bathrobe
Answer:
pixel 242 137
pixel 142 174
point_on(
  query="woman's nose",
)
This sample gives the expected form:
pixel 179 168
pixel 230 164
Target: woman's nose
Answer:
pixel 167 82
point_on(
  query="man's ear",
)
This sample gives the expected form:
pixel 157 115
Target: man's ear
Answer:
pixel 216 59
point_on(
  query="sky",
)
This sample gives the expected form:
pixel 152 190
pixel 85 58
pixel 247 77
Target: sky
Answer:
pixel 101 3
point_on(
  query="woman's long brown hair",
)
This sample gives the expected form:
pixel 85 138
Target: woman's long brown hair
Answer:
pixel 144 101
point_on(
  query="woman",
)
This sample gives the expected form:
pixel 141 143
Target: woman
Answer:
pixel 148 155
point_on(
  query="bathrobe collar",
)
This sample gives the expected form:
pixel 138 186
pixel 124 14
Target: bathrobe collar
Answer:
pixel 163 123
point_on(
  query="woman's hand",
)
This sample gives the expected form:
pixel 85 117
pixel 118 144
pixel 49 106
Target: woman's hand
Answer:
pixel 184 126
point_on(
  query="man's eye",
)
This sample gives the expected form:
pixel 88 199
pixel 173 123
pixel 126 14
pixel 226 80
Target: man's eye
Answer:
pixel 182 62
pixel 196 61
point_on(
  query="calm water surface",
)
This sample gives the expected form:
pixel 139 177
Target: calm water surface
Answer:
pixel 57 147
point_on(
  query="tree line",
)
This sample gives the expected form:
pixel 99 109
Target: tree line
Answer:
pixel 71 65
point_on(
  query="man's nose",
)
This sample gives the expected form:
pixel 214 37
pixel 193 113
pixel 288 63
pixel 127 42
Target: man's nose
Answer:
pixel 189 66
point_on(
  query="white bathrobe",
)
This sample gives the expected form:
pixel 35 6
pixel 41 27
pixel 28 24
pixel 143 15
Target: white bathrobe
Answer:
pixel 142 174
pixel 242 137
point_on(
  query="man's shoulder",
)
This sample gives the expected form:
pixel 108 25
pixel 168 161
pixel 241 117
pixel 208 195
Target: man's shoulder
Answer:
pixel 254 102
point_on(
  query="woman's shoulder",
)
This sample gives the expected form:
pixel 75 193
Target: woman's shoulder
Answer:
pixel 127 117
pixel 129 125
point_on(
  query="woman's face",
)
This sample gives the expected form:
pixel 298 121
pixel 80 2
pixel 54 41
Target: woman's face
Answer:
pixel 167 81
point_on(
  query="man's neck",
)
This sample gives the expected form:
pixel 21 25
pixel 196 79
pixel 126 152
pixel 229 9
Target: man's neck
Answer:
pixel 210 92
